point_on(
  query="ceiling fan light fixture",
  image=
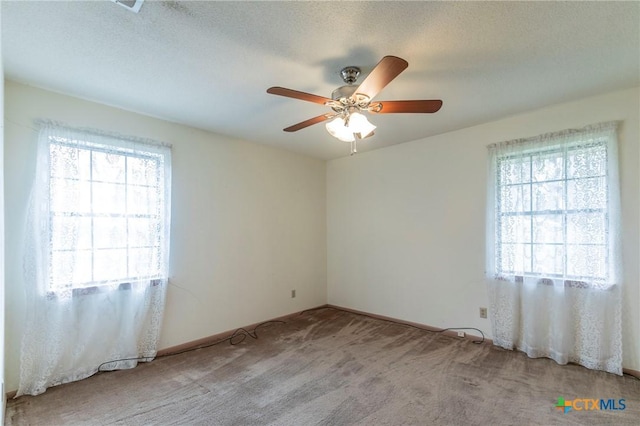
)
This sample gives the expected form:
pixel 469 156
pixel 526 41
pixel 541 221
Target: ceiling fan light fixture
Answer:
pixel 347 128
pixel 349 101
pixel 339 130
pixel 358 123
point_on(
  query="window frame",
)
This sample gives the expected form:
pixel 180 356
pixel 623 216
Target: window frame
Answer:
pixel 544 277
pixel 157 217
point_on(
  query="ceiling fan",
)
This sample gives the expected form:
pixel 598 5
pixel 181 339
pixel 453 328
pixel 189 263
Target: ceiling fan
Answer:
pixel 349 101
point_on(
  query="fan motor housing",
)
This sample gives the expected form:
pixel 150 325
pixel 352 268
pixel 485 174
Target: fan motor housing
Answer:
pixel 343 92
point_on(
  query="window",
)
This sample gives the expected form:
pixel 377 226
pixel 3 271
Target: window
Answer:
pixel 554 270
pixel 96 254
pixel 552 211
pixel 107 212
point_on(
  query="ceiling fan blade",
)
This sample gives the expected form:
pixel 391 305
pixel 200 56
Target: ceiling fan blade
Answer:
pixel 310 122
pixel 387 69
pixel 289 93
pixel 424 106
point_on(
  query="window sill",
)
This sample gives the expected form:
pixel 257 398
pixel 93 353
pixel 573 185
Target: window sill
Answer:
pixel 96 289
pixel 542 281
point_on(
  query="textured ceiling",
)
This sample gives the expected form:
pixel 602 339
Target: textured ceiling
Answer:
pixel 208 64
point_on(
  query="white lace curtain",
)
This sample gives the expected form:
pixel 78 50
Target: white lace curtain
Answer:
pixel 96 255
pixel 553 247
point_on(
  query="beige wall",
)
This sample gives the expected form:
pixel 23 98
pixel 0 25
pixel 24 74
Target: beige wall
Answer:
pixel 248 221
pixel 406 224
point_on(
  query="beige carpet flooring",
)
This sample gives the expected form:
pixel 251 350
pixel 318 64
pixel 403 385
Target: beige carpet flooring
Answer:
pixel 330 367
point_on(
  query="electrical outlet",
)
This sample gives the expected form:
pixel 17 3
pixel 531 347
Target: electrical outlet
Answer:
pixel 293 294
pixel 483 312
pixel 460 333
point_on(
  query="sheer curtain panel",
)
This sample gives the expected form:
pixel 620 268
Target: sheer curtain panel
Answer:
pixel 96 255
pixel 553 247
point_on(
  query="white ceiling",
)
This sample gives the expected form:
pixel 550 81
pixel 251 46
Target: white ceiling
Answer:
pixel 208 64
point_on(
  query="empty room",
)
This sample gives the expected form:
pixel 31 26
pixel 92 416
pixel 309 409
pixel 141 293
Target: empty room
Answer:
pixel 300 213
